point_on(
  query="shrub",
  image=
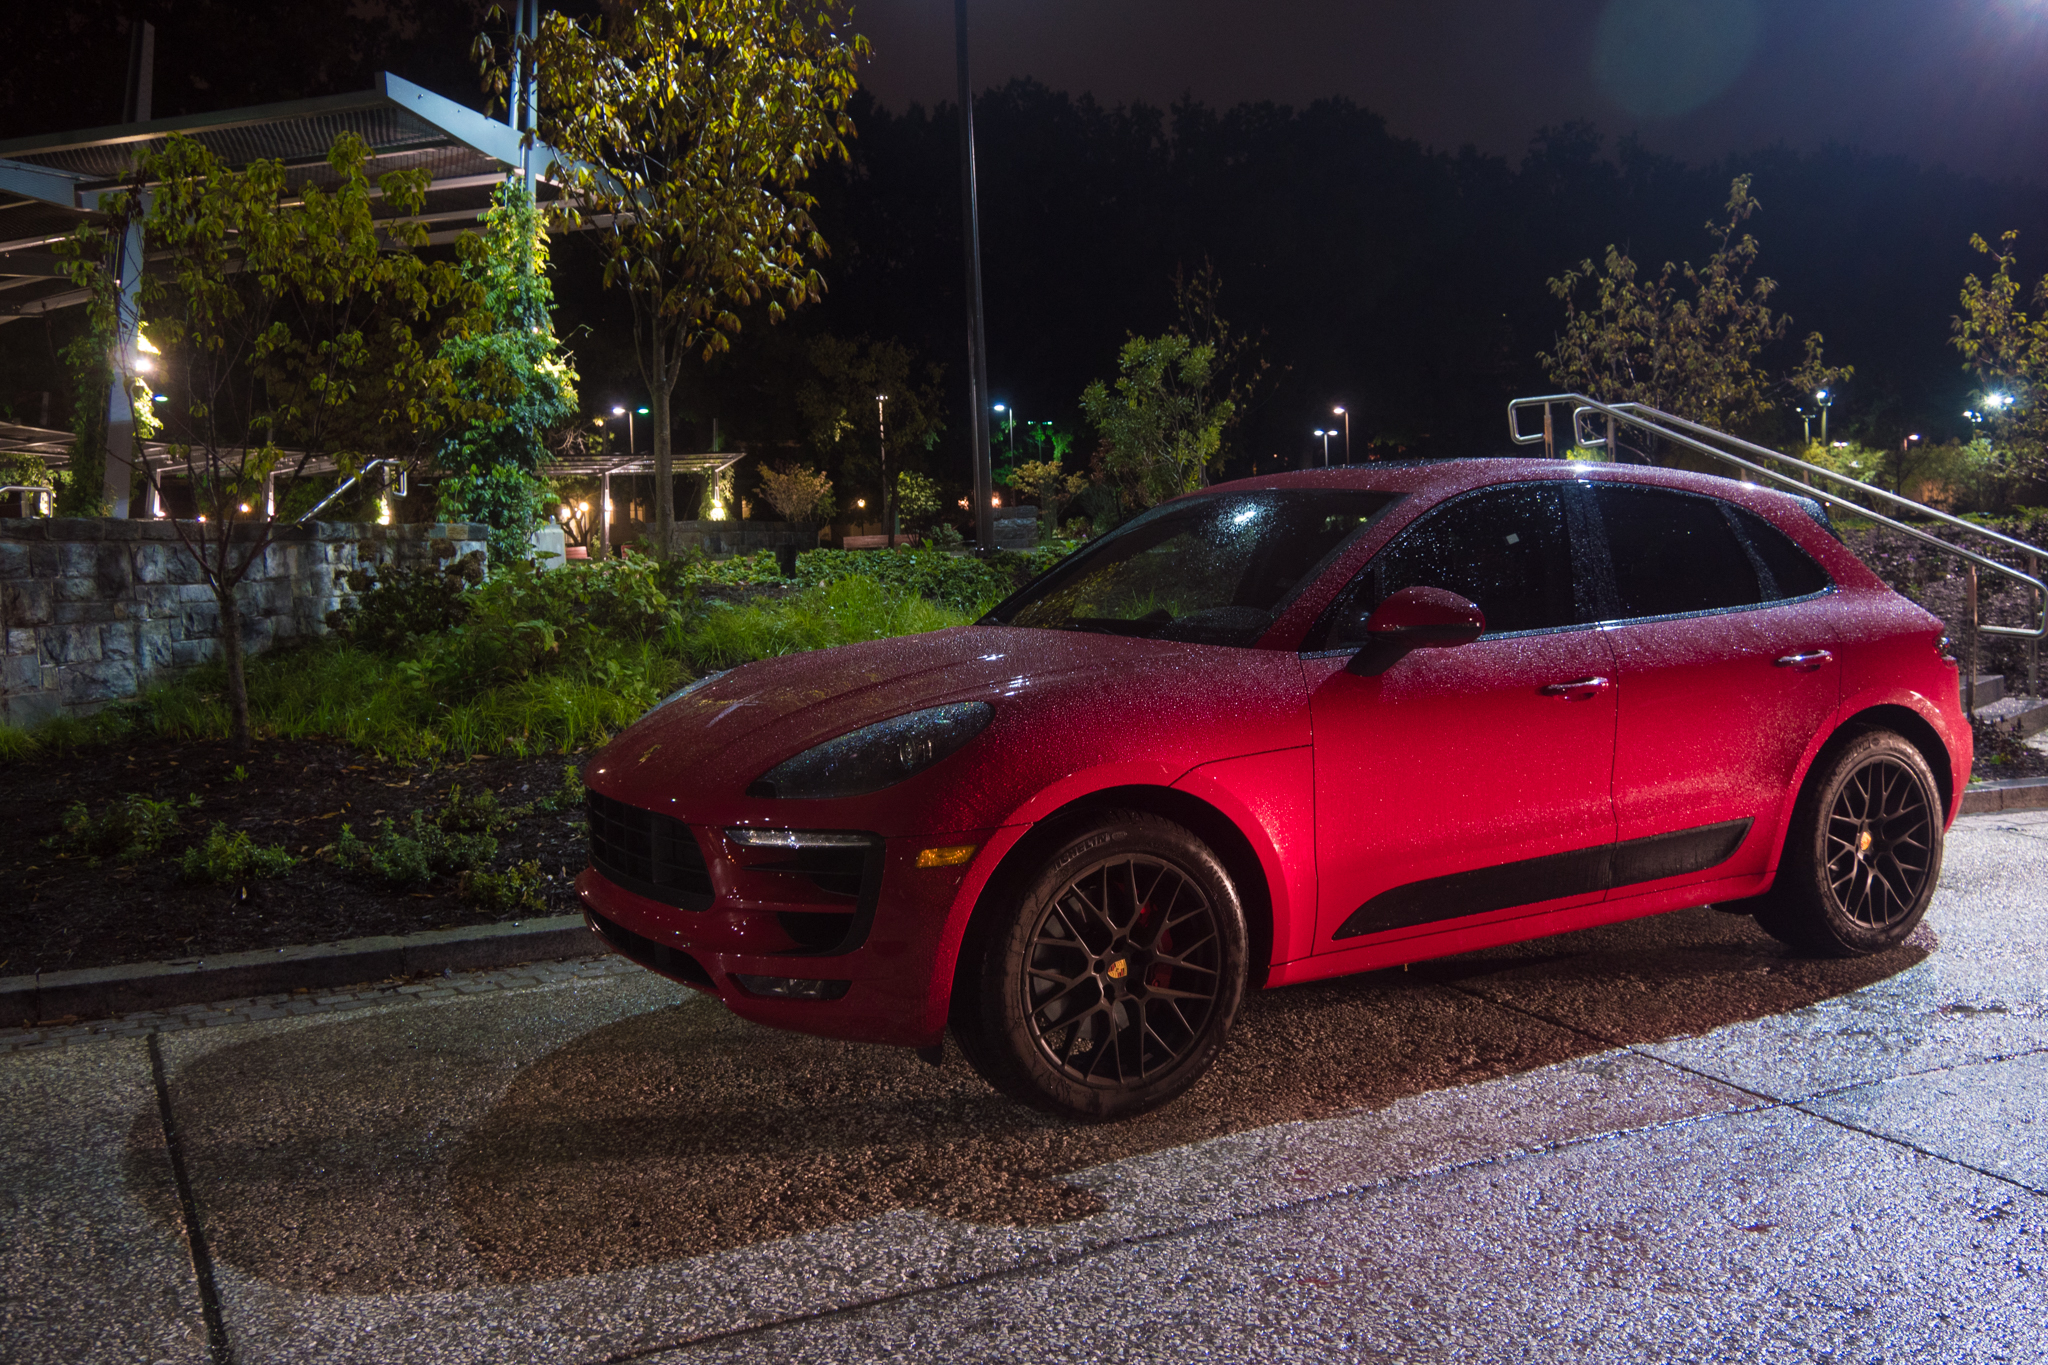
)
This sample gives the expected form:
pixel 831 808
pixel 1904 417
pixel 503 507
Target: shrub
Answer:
pixel 420 854
pixel 226 858
pixel 517 888
pixel 798 493
pixel 957 581
pixel 568 796
pixel 840 612
pixel 393 607
pixel 132 827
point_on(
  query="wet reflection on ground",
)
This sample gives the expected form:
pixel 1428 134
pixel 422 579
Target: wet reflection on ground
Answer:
pixel 420 1149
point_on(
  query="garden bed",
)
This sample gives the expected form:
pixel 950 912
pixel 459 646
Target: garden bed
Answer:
pixel 67 908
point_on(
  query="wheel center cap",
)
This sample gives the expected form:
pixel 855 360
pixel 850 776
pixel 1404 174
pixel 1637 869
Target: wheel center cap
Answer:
pixel 1863 842
pixel 1119 969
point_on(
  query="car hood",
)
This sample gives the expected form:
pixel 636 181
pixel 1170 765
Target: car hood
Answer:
pixel 1064 701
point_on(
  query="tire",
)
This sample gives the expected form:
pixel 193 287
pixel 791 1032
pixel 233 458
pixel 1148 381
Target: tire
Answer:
pixel 1104 985
pixel 1863 852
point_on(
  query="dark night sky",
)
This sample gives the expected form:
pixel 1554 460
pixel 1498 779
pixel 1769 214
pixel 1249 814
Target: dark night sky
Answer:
pixel 1956 82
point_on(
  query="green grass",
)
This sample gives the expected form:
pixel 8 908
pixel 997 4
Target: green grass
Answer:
pixel 332 690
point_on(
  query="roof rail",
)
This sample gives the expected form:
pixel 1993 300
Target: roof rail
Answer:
pixel 1733 450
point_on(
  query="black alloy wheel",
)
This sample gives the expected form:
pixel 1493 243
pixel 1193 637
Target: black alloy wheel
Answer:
pixel 1863 854
pixel 1106 988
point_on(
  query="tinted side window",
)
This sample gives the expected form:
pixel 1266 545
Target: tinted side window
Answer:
pixel 1673 553
pixel 1790 573
pixel 1504 548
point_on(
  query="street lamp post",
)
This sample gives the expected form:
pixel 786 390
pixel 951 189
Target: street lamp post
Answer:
pixel 977 346
pixel 882 439
pixel 1826 401
pixel 1347 434
pixel 1326 435
pixel 1009 427
pixel 1806 425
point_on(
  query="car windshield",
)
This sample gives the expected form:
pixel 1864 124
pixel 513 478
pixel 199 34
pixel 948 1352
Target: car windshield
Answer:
pixel 1211 570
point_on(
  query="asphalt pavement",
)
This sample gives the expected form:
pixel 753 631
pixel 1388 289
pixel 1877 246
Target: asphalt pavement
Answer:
pixel 1666 1140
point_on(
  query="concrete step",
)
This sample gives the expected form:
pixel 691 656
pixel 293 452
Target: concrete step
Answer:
pixel 1990 688
pixel 2023 716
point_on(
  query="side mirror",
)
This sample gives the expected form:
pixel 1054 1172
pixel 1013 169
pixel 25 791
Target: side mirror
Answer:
pixel 1416 618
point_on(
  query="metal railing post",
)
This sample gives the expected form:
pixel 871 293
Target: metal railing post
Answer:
pixel 2034 645
pixel 1970 643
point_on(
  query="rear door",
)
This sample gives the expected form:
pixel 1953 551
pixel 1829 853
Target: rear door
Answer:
pixel 1723 640
pixel 1470 783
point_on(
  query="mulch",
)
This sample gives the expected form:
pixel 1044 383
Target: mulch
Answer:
pixel 61 911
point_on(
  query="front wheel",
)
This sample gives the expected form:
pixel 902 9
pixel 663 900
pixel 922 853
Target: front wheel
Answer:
pixel 1863 854
pixel 1105 985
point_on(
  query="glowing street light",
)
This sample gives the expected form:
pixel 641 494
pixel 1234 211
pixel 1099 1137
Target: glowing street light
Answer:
pixel 1009 420
pixel 1826 401
pixel 631 445
pixel 1347 435
pixel 1326 435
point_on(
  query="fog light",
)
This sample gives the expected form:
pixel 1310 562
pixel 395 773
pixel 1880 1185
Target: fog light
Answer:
pixel 790 987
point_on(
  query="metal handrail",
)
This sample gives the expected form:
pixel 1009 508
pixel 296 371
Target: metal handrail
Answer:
pixel 1674 429
pixel 43 495
pixel 352 481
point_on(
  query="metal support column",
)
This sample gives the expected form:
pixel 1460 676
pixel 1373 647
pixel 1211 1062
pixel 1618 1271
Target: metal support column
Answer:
pixel 120 471
pixel 2034 646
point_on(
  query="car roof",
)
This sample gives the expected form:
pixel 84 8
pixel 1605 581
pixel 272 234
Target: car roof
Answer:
pixel 1444 478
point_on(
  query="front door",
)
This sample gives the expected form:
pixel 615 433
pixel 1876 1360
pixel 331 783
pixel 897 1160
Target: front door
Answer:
pixel 1471 783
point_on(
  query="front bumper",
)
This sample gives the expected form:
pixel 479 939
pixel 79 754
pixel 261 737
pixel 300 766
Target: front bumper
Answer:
pixel 896 968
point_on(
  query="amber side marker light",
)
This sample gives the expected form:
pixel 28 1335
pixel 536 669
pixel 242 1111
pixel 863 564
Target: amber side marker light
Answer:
pixel 952 856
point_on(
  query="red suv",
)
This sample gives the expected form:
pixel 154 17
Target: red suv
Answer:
pixel 1283 729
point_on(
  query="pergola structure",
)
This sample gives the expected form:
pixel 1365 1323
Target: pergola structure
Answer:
pixel 52 183
pixel 604 468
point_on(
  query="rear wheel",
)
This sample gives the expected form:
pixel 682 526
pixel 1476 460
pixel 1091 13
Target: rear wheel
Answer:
pixel 1104 987
pixel 1864 851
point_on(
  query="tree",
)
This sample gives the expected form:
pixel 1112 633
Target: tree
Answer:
pixel 1238 371
pixel 836 405
pixel 799 492
pixel 917 495
pixel 1047 482
pixel 1694 355
pixel 291 327
pixel 493 462
pixel 1161 431
pixel 688 128
pixel 2007 352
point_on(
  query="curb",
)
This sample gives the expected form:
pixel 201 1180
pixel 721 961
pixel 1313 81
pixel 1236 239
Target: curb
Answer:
pixel 2021 793
pixel 100 992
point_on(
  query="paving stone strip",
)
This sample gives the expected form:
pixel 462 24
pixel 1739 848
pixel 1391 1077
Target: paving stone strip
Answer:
pixel 448 985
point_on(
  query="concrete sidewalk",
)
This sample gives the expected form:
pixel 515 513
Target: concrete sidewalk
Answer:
pixel 1658 1141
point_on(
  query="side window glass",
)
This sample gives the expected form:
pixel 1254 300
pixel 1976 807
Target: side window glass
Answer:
pixel 1504 548
pixel 1788 569
pixel 1673 553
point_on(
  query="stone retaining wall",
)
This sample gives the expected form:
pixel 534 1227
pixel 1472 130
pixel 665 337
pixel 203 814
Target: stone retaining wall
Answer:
pixel 93 608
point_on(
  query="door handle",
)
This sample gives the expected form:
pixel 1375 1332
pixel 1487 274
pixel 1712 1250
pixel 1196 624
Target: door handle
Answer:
pixel 1807 662
pixel 1578 690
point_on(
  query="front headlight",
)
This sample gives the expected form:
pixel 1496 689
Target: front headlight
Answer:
pixel 875 756
pixel 686 689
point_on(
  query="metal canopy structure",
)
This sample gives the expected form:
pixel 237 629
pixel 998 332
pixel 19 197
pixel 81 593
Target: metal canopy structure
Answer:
pixel 49 184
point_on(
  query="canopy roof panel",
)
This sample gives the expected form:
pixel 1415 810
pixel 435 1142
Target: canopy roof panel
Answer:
pixel 50 183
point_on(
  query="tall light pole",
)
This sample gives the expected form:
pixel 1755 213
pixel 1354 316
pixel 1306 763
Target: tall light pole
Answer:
pixel 882 439
pixel 1826 401
pixel 1009 427
pixel 1347 434
pixel 1806 422
pixel 977 346
pixel 1326 435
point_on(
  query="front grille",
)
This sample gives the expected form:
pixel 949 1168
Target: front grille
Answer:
pixel 655 956
pixel 649 854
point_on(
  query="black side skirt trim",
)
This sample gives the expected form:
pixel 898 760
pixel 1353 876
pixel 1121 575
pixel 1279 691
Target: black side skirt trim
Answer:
pixel 1578 873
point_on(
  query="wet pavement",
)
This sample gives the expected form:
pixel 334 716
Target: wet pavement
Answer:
pixel 1662 1140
